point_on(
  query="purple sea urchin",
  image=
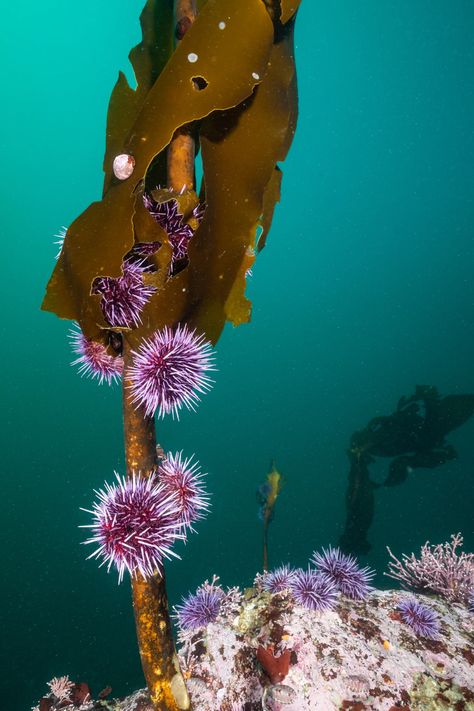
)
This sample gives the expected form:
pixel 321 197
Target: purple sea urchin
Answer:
pixel 313 590
pixel 183 479
pixel 124 298
pixel 350 579
pixel 167 215
pixel 199 609
pixel 423 621
pixel 94 361
pixel 169 371
pixel 136 523
pixel 279 579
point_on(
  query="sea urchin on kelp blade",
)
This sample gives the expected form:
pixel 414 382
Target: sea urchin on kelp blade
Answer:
pixel 231 81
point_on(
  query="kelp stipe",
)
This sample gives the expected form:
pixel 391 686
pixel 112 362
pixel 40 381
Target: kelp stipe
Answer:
pixel 159 258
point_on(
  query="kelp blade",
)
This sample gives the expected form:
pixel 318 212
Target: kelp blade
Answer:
pixel 244 118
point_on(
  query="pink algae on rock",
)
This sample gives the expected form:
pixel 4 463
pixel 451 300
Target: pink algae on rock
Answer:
pixel 358 655
pixel 355 656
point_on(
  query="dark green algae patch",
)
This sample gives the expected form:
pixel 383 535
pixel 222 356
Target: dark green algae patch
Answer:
pixel 243 120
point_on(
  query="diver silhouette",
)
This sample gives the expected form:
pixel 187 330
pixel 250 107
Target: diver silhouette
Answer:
pixel 414 436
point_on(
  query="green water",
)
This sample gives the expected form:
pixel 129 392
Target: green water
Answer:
pixel 364 290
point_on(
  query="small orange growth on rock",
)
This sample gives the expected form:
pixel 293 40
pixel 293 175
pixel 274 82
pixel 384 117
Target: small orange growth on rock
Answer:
pixel 275 667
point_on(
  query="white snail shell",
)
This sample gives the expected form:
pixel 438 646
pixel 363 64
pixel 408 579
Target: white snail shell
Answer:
pixel 123 166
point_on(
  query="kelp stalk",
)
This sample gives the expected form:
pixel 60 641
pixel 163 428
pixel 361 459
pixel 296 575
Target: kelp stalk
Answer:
pixel 181 151
pixel 265 543
pixel 150 601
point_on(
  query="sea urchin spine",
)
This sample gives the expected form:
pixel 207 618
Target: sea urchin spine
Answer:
pixel 182 478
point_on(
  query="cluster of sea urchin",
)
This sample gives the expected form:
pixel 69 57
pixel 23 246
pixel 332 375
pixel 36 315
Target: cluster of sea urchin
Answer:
pixel 317 588
pixel 136 523
pixel 308 588
pixel 137 520
pixel 168 371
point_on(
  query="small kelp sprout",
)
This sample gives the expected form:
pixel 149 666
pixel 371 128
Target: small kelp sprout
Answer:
pixel 267 494
pixel 152 271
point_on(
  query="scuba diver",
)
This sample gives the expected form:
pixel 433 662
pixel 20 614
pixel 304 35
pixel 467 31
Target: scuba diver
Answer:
pixel 413 437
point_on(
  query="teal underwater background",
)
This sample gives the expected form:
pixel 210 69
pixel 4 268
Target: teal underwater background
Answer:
pixel 364 290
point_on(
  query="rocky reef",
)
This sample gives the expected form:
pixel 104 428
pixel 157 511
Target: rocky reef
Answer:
pixel 266 652
pixel 359 655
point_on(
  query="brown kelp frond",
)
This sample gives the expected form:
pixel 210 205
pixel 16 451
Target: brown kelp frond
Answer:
pixel 233 84
pixel 148 59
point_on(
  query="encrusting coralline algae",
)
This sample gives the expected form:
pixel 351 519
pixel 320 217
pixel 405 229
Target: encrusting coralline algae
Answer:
pixel 320 639
pixel 358 655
